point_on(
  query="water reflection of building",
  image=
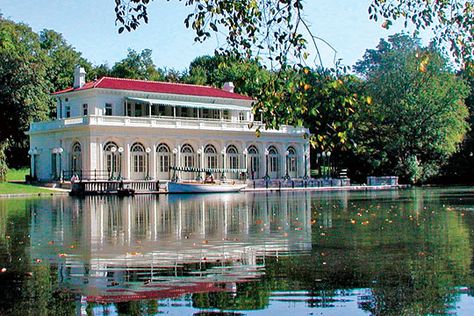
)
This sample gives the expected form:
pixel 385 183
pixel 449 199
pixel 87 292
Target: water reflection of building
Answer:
pixel 112 249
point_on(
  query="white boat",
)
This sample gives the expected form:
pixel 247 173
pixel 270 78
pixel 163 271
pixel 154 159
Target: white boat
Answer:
pixel 191 187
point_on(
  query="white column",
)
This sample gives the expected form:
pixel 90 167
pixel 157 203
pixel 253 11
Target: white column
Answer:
pixel 99 152
pixel 126 162
pixel 263 160
pixel 153 162
pixel 223 157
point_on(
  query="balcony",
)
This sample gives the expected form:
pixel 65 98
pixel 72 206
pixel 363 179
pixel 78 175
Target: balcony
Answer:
pixel 160 122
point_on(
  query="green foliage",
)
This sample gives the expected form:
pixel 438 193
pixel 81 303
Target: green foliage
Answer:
pixel 417 114
pixel 332 101
pixel 248 76
pixel 452 21
pixel 137 66
pixel 459 169
pixel 61 60
pixel 249 296
pixel 24 86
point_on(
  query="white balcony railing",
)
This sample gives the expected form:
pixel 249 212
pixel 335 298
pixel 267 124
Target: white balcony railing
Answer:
pixel 159 122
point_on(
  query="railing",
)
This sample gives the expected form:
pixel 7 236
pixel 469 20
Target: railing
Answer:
pixel 88 175
pixel 108 187
pixel 160 122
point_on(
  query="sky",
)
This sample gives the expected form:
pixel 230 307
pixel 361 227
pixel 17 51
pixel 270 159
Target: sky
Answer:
pixel 89 26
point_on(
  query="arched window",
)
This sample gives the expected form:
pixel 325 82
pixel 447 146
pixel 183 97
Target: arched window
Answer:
pixel 254 160
pixel 76 157
pixel 187 155
pixel 253 150
pixel 292 161
pixel 232 157
pixel 273 160
pixel 111 158
pixel 138 159
pixel 210 156
pixel 163 158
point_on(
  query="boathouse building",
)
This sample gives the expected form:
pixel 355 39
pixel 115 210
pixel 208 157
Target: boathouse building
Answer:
pixel 114 128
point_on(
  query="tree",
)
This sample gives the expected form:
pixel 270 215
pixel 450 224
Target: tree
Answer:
pixel 248 76
pixel 459 169
pixel 137 66
pixel 417 116
pixel 61 61
pixel 24 87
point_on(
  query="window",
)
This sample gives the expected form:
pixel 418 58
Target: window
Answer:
pixel 254 160
pixel 210 155
pixel 108 109
pixel 187 155
pixel 138 109
pixel 112 159
pixel 85 109
pixel 291 160
pixel 233 157
pixel 226 114
pixel 241 116
pixel 129 109
pixel 138 163
pixel 273 155
pixel 161 109
pixel 68 111
pixel 76 157
pixel 138 158
pixel 163 158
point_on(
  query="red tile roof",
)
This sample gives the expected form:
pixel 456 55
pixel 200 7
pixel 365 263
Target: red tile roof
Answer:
pixel 156 87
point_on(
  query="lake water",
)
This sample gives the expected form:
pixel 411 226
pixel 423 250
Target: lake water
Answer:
pixel 308 253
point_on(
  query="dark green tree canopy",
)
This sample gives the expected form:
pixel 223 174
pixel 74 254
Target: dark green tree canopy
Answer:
pixel 417 117
pixel 24 85
pixel 137 66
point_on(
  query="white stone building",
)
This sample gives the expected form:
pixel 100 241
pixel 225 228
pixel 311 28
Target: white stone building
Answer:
pixel 132 129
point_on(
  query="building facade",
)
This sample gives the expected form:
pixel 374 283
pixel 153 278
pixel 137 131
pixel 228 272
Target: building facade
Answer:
pixel 115 128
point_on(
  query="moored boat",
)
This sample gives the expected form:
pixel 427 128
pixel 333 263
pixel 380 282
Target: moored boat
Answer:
pixel 194 187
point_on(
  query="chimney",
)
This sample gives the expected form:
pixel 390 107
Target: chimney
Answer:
pixel 228 86
pixel 79 77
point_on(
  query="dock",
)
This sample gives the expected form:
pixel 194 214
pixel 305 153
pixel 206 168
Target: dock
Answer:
pixel 113 187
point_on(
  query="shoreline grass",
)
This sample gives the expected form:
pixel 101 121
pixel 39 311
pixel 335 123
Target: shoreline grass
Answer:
pixel 15 184
pixel 17 188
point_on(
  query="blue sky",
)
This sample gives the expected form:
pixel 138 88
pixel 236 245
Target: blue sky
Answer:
pixel 89 26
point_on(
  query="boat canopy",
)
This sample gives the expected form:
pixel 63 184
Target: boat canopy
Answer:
pixel 210 170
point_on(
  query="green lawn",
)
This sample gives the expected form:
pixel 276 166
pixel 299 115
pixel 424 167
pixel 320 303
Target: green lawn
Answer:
pixel 14 188
pixel 17 175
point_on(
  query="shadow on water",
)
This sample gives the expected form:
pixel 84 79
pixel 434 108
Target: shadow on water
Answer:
pixel 382 253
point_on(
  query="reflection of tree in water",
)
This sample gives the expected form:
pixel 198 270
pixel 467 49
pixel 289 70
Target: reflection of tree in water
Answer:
pixel 27 288
pixel 410 255
pixel 247 296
